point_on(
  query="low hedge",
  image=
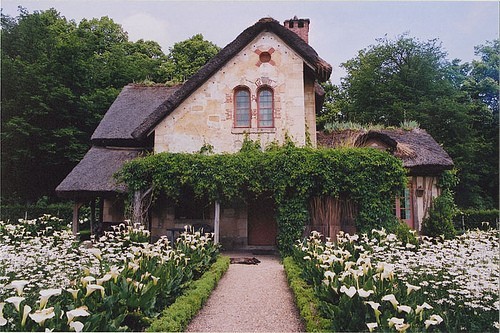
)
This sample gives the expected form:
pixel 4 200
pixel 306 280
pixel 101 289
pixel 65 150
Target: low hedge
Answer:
pixel 177 316
pixel 14 212
pixel 305 299
pixel 477 219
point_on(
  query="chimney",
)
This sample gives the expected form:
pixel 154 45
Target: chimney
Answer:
pixel 299 26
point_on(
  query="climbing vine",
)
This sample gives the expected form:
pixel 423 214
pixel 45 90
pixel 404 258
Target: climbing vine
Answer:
pixel 291 175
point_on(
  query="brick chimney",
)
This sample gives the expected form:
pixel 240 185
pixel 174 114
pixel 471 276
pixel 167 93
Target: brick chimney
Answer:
pixel 299 26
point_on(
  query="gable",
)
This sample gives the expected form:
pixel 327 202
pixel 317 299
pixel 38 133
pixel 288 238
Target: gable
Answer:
pixel 207 114
pixel 321 69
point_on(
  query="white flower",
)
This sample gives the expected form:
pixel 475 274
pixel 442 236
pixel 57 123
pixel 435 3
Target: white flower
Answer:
pixel 40 316
pixel 410 288
pixel 395 321
pixel 76 325
pixel 16 300
pixel 26 311
pixel 18 285
pixel 349 292
pixel 45 295
pixel 87 279
pixel 105 278
pixel 155 279
pixel 371 326
pixel 420 308
pixel 365 293
pixel 3 321
pixel 391 298
pixel 93 287
pixel 404 308
pixel 74 292
pixel 78 312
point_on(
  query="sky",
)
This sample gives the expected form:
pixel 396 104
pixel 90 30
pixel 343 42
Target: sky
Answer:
pixel 338 29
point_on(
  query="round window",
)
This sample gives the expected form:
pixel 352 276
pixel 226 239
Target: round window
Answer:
pixel 265 57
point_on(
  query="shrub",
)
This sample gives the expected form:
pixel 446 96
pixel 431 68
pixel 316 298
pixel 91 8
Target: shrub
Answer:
pixel 477 219
pixel 177 316
pixel 440 219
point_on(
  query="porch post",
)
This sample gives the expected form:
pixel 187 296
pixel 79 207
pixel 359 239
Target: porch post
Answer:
pixel 74 225
pixel 216 222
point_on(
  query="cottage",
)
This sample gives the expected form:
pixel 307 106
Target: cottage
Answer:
pixel 263 85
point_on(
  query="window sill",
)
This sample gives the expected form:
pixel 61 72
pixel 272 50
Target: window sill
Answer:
pixel 242 130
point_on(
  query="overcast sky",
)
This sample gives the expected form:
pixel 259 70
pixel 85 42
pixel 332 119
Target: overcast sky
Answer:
pixel 339 29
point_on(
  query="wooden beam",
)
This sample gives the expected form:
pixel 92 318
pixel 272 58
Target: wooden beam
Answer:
pixel 76 215
pixel 216 222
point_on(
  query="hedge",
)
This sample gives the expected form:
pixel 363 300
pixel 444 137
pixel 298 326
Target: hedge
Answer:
pixel 473 219
pixel 14 212
pixel 177 316
pixel 305 299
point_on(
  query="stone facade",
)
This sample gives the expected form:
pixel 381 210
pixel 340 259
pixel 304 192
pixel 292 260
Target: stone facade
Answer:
pixel 207 116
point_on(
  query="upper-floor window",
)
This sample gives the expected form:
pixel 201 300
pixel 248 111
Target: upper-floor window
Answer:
pixel 265 105
pixel 242 112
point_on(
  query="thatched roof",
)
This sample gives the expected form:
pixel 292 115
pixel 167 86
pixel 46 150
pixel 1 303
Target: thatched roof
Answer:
pixel 322 70
pixel 134 104
pixel 94 174
pixel 420 153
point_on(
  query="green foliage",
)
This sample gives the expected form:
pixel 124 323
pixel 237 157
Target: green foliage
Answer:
pixel 404 233
pixel 456 103
pixel 289 174
pixel 60 210
pixel 177 316
pixel 58 80
pixel 306 300
pixel 187 57
pixel 477 219
pixel 441 215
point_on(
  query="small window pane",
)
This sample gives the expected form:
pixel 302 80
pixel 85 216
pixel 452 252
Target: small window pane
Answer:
pixel 266 108
pixel 242 112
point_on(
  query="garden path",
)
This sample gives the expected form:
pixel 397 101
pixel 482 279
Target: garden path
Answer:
pixel 250 298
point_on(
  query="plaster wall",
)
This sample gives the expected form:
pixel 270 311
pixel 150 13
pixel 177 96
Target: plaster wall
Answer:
pixel 207 116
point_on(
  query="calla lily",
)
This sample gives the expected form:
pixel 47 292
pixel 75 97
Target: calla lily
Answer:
pixel 74 293
pixel 105 278
pixel 76 325
pixel 401 327
pixel 395 321
pixel 349 292
pixel 87 279
pixel 391 298
pixel 78 312
pixel 364 293
pixel 18 285
pixel 371 326
pixel 375 307
pixel 404 308
pixel 3 321
pixel 410 288
pixel 16 300
pixel 155 279
pixel 114 272
pixel 420 308
pixel 93 287
pixel 26 311
pixel 40 316
pixel 96 253
pixel 45 295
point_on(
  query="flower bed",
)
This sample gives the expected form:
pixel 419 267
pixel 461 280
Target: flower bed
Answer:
pixel 118 282
pixel 375 282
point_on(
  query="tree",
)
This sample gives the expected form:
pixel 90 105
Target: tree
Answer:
pixel 58 80
pixel 407 79
pixel 187 57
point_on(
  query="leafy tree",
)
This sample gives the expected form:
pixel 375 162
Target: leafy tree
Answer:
pixel 408 79
pixel 58 80
pixel 187 57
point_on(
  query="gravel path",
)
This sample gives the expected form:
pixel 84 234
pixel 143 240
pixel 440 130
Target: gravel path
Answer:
pixel 250 298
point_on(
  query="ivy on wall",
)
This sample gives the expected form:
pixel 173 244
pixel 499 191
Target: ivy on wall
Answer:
pixel 291 175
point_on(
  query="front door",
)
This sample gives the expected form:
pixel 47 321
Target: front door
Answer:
pixel 262 227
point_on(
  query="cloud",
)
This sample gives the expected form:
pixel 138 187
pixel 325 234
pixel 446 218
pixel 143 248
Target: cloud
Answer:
pixel 146 26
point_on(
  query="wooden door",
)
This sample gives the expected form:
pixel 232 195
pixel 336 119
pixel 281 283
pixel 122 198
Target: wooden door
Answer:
pixel 262 226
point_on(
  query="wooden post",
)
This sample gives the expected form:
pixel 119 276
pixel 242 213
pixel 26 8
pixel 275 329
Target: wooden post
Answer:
pixel 76 209
pixel 92 216
pixel 216 222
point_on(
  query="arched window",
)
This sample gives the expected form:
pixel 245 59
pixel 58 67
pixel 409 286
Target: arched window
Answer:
pixel 242 111
pixel 265 104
